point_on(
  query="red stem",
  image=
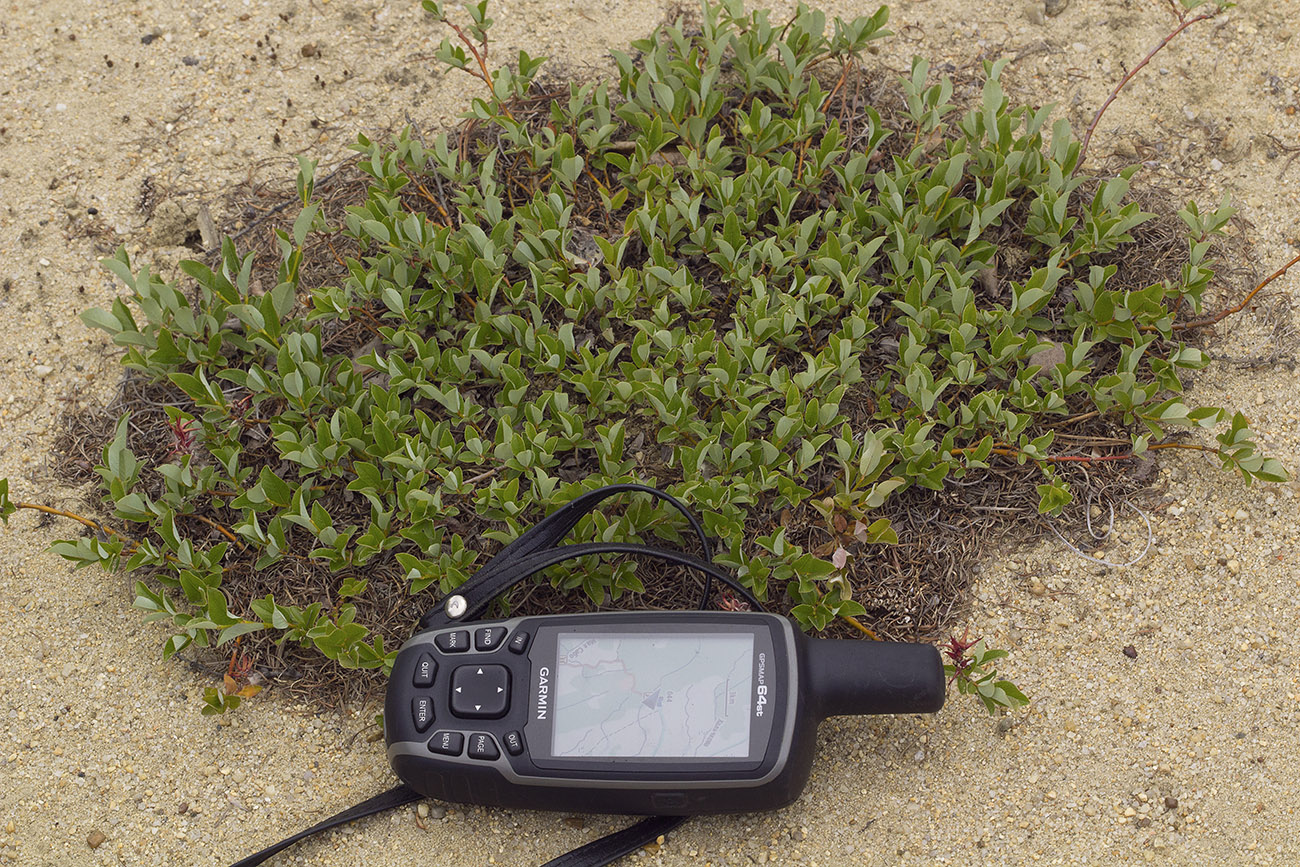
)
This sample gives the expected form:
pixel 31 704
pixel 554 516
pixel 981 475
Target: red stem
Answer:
pixel 1087 136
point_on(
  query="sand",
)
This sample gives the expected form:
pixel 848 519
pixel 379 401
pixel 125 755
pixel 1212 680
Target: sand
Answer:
pixel 1185 753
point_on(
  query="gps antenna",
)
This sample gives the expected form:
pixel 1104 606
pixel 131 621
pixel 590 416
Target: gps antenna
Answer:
pixel 848 678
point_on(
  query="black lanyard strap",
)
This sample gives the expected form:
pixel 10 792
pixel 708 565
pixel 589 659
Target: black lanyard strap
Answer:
pixel 394 797
pixel 597 853
pixel 613 846
pixel 477 593
pixel 499 574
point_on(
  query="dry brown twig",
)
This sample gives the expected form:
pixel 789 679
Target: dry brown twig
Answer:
pixel 1183 23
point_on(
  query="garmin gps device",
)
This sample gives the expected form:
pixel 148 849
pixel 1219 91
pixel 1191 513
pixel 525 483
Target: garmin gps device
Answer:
pixel 661 713
pixel 645 712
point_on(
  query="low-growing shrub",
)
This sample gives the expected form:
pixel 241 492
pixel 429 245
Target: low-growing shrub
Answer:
pixel 725 272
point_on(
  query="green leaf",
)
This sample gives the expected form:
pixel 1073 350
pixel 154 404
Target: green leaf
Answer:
pixel 230 633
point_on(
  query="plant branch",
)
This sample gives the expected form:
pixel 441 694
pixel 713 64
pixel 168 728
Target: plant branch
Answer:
pixel 80 519
pixel 1092 127
pixel 1224 314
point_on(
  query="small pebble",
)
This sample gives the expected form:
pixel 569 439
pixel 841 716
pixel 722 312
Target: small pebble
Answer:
pixel 1216 165
pixel 1171 803
pixel 1055 7
pixel 43 370
pixel 95 839
pixel 1234 567
pixel 309 50
pixel 437 811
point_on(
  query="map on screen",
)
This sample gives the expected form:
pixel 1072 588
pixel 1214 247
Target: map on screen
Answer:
pixel 671 696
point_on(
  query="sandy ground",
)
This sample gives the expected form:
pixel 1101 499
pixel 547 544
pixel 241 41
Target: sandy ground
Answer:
pixel 1185 754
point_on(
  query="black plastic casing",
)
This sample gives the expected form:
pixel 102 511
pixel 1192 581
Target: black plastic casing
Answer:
pixel 796 682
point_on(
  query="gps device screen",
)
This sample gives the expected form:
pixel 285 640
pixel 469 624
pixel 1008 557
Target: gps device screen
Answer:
pixel 652 696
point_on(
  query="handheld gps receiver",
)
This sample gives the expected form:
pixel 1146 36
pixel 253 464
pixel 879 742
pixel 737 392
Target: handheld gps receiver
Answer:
pixel 660 713
pixel 647 712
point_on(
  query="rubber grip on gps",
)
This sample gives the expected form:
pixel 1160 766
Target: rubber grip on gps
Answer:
pixel 849 678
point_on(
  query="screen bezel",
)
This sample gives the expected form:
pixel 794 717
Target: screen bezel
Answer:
pixel 543 654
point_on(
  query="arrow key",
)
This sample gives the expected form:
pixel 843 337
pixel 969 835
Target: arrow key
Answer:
pixel 480 691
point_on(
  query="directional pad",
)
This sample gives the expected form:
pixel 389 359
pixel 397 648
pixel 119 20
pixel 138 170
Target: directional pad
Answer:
pixel 480 691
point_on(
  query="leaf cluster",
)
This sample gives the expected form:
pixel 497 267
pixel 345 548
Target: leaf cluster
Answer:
pixel 696 275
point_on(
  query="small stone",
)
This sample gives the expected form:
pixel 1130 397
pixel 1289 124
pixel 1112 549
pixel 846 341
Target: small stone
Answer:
pixel 1130 651
pixel 1047 355
pixel 1216 165
pixel 190 61
pixel 95 839
pixel 1241 515
pixel 1037 588
pixel 422 810
pixel 1089 810
pixel 1234 567
pixel 1034 12
pixel 1171 803
pixel 1055 7
pixel 1235 145
pixel 149 37
pixel 43 370
pixel 309 50
pixel 437 811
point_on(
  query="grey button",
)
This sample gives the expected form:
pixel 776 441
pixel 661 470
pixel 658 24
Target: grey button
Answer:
pixel 447 743
pixel 422 713
pixel 481 746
